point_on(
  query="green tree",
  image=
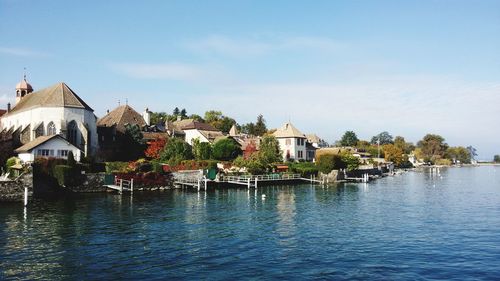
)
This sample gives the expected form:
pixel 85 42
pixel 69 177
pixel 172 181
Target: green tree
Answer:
pixel 71 159
pixel 196 117
pixel 496 158
pixel 133 144
pixel 226 149
pixel 384 138
pixel 458 155
pixel 394 154
pixel 219 121
pixel 158 117
pixel 260 126
pixel 432 147
pixel 351 161
pixel 349 139
pixel 175 151
pixel 183 113
pixel 269 150
pixel 176 111
pixel 248 128
pixel 201 150
pixel 401 143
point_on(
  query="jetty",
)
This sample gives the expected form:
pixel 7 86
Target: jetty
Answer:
pixel 120 185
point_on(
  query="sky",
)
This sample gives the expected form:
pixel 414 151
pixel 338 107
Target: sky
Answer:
pixel 406 67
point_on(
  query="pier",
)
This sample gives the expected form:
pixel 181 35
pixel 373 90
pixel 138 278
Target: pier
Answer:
pixel 122 185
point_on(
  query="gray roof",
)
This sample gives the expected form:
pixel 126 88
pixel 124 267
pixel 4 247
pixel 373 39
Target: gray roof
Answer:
pixel 121 116
pixel 58 95
pixel 288 131
pixel 37 142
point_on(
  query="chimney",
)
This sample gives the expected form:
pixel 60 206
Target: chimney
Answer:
pixel 107 111
pixel 147 116
pixel 8 107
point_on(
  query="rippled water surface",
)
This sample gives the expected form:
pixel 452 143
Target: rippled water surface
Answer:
pixel 414 226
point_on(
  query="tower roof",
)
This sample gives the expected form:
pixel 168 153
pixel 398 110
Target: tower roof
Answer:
pixel 121 116
pixel 289 131
pixel 58 95
pixel 24 85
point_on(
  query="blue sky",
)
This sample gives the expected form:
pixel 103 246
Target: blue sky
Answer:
pixel 407 67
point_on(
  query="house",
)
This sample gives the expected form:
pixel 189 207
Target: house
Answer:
pixel 48 146
pixel 292 142
pixel 55 110
pixel 114 143
pixel 195 129
pixel 2 112
pixel 316 141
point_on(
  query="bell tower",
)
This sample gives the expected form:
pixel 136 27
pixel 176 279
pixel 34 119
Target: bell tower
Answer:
pixel 23 88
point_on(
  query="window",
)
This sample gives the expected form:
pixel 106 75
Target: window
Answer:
pixel 72 132
pixel 39 131
pixel 300 154
pixel 62 153
pixel 300 142
pixel 45 152
pixel 51 129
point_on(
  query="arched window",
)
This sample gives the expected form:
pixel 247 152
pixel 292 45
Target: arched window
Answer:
pixel 39 130
pixel 51 129
pixel 72 132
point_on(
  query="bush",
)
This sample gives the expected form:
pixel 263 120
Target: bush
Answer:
pixel 226 149
pixel 67 175
pixel 305 169
pixel 117 167
pixel 443 162
pixel 149 179
pixel 71 159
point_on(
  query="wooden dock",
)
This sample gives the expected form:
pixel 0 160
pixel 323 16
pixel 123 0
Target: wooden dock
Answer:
pixel 122 185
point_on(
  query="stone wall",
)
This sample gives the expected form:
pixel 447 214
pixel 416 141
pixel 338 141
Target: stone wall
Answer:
pixel 333 176
pixel 92 183
pixel 13 191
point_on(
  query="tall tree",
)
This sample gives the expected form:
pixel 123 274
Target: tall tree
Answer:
pixel 175 151
pixel 176 111
pixel 384 138
pixel 394 153
pixel 219 121
pixel 459 155
pixel 260 126
pixel 400 142
pixel 183 113
pixel 269 150
pixel 349 139
pixel 226 149
pixel 201 150
pixel 432 147
pixel 496 158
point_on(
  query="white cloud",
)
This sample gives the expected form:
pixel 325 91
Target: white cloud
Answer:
pixel 411 106
pixel 21 52
pixel 260 46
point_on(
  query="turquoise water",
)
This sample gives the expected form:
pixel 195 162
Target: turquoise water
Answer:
pixel 414 226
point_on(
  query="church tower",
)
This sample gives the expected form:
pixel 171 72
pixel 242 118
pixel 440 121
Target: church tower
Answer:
pixel 23 88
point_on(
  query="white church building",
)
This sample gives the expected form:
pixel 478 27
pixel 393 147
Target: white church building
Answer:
pixel 55 110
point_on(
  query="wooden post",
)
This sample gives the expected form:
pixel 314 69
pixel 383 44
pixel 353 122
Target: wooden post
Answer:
pixel 205 182
pixel 131 186
pixel 25 196
pixel 248 182
pixel 255 182
pixel 199 184
pixel 121 186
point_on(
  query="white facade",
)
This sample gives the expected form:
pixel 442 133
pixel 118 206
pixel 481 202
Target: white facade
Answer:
pixel 60 117
pixel 293 148
pixel 192 134
pixel 55 147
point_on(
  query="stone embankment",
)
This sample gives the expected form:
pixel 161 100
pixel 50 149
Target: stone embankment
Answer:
pixel 13 190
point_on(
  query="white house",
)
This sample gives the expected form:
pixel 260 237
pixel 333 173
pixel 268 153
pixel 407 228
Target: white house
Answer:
pixel 198 130
pixel 48 146
pixel 50 111
pixel 292 142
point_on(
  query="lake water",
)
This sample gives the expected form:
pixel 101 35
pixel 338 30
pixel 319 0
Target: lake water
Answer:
pixel 413 226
